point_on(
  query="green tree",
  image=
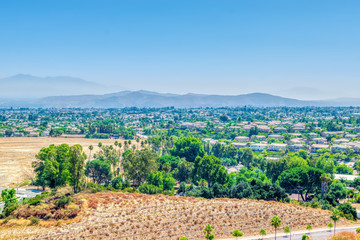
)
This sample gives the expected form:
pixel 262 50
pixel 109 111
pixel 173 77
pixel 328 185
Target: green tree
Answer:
pixel 188 148
pixel 246 157
pixel 344 169
pixel 91 147
pixel 309 227
pixel 295 161
pixel 117 182
pixel 326 164
pixel 77 163
pixel 219 150
pixel 276 222
pixel 306 178
pixel 138 165
pixel 262 233
pixel 99 171
pixel 208 232
pixel 348 211
pixel 287 229
pixel 330 225
pixel 52 167
pixel 8 196
pixel 210 169
pixel 231 151
pixel 305 237
pixel 184 171
pixel 275 168
pixel 108 154
pixel 169 182
pixel 337 191
pixel 335 216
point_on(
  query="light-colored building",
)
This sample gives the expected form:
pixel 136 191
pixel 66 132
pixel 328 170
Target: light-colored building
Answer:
pixel 276 136
pixel 297 147
pixel 258 137
pixel 280 130
pixel 338 148
pixel 258 147
pixel 320 140
pixel 326 134
pixel 316 147
pixel 264 129
pixel 340 141
pixel 242 139
pixel 240 144
pixel 277 147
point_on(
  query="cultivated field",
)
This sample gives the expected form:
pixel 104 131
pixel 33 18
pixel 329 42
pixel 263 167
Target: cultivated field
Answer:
pixel 17 154
pixel 109 215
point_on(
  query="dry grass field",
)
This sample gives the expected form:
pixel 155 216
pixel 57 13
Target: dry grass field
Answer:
pixel 116 215
pixel 17 154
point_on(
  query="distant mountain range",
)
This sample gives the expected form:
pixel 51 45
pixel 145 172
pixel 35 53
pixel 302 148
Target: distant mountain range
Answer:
pixel 28 86
pixel 67 92
pixel 153 99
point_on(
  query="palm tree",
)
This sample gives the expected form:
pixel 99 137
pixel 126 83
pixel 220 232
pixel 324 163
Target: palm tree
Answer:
pixel 208 232
pixel 287 229
pixel 330 225
pixel 309 227
pixel 335 217
pixel 276 222
pixel 262 233
pixel 91 147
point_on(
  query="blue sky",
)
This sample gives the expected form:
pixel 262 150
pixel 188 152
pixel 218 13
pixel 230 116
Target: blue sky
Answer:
pixel 292 48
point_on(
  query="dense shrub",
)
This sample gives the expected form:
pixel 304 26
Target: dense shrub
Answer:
pixel 9 209
pixel 149 189
pixel 95 187
pixel 63 201
pixel 117 182
pixel 348 211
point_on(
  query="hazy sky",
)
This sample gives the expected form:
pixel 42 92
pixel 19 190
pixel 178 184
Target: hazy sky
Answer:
pixel 202 46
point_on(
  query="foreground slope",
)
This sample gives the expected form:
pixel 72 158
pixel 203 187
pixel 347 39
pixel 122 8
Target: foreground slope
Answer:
pixel 116 215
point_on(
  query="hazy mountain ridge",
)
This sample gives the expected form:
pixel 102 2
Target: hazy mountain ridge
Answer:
pixel 28 86
pixel 24 90
pixel 154 99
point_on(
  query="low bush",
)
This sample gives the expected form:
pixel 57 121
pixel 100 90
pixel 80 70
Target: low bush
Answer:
pixel 34 220
pixel 95 187
pixel 149 189
pixel 117 182
pixel 9 209
pixel 63 201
